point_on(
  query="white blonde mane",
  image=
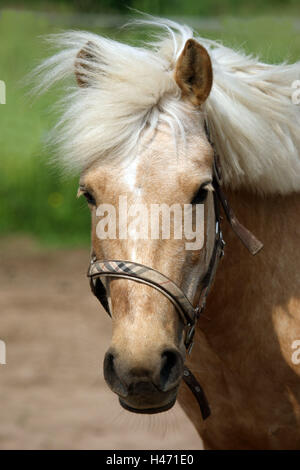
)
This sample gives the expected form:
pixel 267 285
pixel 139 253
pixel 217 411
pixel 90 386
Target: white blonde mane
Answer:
pixel 253 122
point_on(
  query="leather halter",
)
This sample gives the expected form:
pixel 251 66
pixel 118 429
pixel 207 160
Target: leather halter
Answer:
pixel 146 275
pixel 149 276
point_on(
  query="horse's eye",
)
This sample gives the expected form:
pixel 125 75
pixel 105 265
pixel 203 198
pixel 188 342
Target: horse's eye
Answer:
pixel 90 199
pixel 200 196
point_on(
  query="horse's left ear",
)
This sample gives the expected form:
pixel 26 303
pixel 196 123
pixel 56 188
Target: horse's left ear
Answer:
pixel 193 72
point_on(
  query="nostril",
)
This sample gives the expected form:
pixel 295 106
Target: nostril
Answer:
pixel 111 376
pixel 171 369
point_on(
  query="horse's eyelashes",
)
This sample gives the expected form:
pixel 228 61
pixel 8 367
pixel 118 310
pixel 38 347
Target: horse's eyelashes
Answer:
pixel 90 199
pixel 200 196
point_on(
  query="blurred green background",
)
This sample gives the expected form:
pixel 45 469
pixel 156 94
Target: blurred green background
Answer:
pixel 35 198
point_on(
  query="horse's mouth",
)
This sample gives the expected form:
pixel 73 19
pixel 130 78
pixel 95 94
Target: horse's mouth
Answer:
pixel 149 411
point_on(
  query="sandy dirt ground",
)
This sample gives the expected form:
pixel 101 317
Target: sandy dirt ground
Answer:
pixel 52 391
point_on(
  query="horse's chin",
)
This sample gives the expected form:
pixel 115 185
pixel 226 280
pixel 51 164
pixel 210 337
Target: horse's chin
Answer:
pixel 149 411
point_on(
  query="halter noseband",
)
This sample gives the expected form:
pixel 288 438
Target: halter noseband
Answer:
pixel 149 276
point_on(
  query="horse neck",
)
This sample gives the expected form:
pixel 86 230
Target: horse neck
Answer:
pixel 252 312
pixel 244 279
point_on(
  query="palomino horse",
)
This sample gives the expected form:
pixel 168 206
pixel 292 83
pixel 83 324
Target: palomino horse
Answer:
pixel 134 125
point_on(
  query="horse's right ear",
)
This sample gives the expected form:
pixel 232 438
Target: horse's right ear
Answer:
pixel 193 72
pixel 84 64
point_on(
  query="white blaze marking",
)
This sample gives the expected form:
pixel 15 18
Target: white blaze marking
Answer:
pixel 130 179
pixel 130 174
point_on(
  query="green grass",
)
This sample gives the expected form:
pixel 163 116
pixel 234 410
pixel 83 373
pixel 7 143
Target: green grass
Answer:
pixel 34 197
pixel 163 7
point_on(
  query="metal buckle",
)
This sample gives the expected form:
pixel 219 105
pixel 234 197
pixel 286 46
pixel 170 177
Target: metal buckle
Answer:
pixel 223 244
pixel 190 332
